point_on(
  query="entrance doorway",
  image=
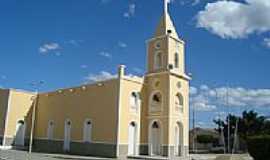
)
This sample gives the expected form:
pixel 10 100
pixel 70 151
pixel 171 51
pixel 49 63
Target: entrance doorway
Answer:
pixel 155 139
pixel 178 138
pixel 67 136
pixel 132 139
pixel 20 133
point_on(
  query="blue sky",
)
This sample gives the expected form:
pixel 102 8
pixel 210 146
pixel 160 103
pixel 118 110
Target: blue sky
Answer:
pixel 65 43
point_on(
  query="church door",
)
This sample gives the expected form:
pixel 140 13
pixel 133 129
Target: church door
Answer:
pixel 67 136
pixel 155 141
pixel 132 138
pixel 177 141
pixel 20 133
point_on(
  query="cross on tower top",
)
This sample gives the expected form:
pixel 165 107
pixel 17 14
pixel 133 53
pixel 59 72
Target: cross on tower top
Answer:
pixel 166 6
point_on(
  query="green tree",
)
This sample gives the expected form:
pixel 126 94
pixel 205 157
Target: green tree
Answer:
pixel 249 124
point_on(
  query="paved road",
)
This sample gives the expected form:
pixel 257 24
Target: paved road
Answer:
pixel 22 155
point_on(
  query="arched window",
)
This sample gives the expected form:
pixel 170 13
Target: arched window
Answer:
pixel 156 101
pixel 158 60
pixel 87 132
pixel 135 100
pixel 50 130
pixel 179 101
pixel 155 125
pixel 176 60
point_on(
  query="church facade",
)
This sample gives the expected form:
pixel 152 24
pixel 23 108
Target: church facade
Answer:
pixel 119 117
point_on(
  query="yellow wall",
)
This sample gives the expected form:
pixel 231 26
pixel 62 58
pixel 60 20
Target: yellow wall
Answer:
pixel 176 116
pixel 98 102
pixel 176 46
pixel 127 115
pixel 3 108
pixel 162 116
pixel 19 108
pixel 152 50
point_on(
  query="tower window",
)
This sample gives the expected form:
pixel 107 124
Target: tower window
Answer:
pixel 176 60
pixel 156 99
pixel 179 102
pixel 135 101
pixel 156 102
pixel 158 60
pixel 169 31
pixel 157 45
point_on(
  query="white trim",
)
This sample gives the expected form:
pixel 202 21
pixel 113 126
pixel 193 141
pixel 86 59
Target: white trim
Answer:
pixel 137 134
pixel 118 121
pixel 67 135
pixel 180 125
pixel 165 36
pixel 137 80
pixel 85 124
pixel 50 131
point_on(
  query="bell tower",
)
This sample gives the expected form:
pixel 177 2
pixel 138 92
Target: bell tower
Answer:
pixel 165 106
pixel 165 49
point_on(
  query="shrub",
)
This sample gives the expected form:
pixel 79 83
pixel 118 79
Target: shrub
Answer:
pixel 205 139
pixel 259 147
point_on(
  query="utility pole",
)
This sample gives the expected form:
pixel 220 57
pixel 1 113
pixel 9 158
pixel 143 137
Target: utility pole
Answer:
pixel 221 130
pixel 229 130
pixel 35 100
pixel 235 136
pixel 194 130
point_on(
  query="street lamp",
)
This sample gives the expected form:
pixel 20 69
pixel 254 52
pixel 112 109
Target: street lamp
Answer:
pixel 36 86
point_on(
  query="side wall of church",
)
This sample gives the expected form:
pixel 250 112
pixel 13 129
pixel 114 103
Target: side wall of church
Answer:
pixel 19 109
pixel 95 102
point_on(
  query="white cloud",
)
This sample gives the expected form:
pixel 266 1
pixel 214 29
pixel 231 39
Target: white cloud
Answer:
pixel 231 19
pixel 103 75
pixel 193 90
pixel 48 47
pixel 233 97
pixel 74 42
pixel 105 54
pixel 204 87
pixel 131 11
pixel 84 66
pixel 195 2
pixel 200 102
pixel 122 44
pixel 266 42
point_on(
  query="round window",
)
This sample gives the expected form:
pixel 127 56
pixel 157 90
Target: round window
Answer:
pixel 157 45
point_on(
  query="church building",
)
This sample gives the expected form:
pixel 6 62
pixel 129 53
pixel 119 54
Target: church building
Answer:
pixel 120 117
